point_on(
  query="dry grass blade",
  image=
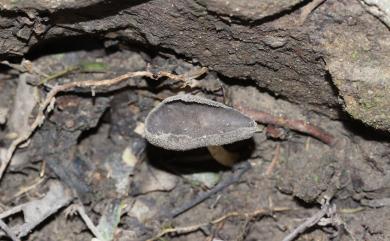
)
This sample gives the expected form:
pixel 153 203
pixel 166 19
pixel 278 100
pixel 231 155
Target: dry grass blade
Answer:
pixel 193 228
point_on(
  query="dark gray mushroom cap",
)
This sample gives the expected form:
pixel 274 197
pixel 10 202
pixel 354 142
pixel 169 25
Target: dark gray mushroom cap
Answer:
pixel 185 122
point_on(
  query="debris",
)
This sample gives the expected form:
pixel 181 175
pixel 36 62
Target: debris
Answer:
pixel 274 161
pixel 37 211
pixel 151 179
pixel 83 67
pixel 19 159
pixel 8 231
pixel 48 103
pixel 143 210
pixel 276 133
pixel 326 211
pixel 34 183
pixel 110 220
pixel 121 168
pixel 192 228
pixel 81 211
pixel 129 158
pixel 3 115
pixel 275 42
pixel 140 129
pixel 192 75
pixel 297 125
pixel 23 67
pixel 239 170
pixel 24 102
pixel 208 179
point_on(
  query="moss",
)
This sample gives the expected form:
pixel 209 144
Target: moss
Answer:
pixel 354 56
pixel 316 179
pixel 370 104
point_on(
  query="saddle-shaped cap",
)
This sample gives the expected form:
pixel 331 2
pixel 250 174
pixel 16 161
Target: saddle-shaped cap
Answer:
pixel 185 122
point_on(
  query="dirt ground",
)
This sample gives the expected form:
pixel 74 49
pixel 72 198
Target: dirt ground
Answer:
pixel 79 79
pixel 90 151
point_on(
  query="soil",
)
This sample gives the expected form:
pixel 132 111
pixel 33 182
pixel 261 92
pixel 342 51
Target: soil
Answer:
pixel 91 154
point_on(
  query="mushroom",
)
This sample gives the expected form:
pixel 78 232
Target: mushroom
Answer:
pixel 186 122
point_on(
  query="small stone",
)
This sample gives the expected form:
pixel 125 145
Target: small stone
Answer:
pixel 69 124
pixel 39 28
pixel 129 158
pixel 24 33
pixel 274 42
pixel 208 179
pixel 140 129
pixel 151 179
pixel 142 210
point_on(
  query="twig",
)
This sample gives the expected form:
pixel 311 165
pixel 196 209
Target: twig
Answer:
pixel 310 222
pixel 8 231
pixel 11 211
pixel 179 230
pixel 274 161
pixel 50 100
pixel 81 211
pixel 240 169
pixel 297 125
pixel 246 215
pixel 58 74
pixel 215 231
pixel 24 190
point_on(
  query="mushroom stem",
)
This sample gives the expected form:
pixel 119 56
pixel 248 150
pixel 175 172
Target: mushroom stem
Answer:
pixel 223 156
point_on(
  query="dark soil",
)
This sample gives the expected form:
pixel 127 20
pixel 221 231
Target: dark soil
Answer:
pixel 92 148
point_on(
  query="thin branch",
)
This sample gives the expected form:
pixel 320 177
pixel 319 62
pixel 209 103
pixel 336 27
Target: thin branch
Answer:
pixel 297 125
pixel 193 228
pixel 91 226
pixel 240 169
pixel 310 222
pixel 274 161
pixel 8 231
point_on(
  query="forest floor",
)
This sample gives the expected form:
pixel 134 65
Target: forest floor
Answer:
pixel 87 171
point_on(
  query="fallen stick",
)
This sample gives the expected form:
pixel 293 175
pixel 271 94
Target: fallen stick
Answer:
pixel 8 231
pixel 310 222
pixel 193 228
pixel 297 125
pixel 239 170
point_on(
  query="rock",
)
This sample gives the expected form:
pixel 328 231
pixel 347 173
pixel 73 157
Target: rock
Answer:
pixel 378 8
pixel 249 10
pixel 151 179
pixel 360 71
